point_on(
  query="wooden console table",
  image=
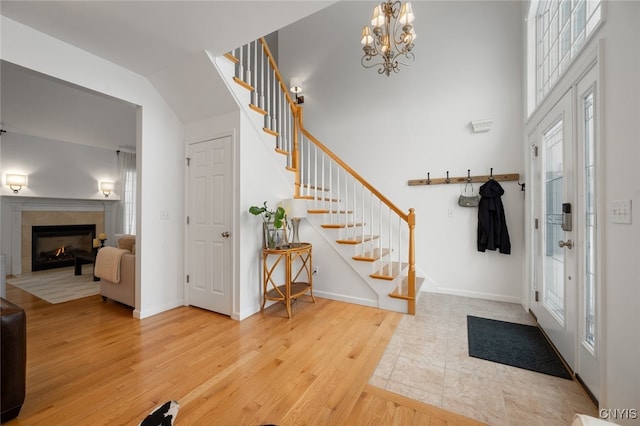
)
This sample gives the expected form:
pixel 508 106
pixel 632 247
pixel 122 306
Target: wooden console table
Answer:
pixel 293 257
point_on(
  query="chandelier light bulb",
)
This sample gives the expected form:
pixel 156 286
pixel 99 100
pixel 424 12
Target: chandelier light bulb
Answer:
pixel 406 14
pixel 366 39
pixel 378 17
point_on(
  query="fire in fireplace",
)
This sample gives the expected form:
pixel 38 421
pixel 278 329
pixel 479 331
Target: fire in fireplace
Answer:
pixel 55 246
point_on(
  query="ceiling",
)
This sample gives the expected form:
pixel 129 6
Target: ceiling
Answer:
pixel 148 36
pixel 161 40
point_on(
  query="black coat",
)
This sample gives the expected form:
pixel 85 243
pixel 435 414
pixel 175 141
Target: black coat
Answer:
pixel 492 226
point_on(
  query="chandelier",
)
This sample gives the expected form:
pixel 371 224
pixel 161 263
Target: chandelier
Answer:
pixel 392 40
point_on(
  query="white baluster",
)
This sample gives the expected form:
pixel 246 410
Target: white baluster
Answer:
pixel 267 117
pixel 254 64
pixel 315 168
pixel 362 218
pixel 330 192
pixel 240 64
pixel 354 215
pixel 390 243
pixel 256 72
pixel 322 172
pixel 380 233
pixel 263 78
pixel 274 115
pixel 399 239
pixel 248 72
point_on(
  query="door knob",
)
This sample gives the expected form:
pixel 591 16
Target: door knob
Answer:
pixel 225 234
pixel 568 244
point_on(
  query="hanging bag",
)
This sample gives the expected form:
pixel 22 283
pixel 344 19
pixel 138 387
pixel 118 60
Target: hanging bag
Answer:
pixel 468 199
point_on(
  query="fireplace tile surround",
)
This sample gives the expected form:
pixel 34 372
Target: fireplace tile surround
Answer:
pixel 20 214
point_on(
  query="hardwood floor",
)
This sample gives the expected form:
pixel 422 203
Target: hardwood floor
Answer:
pixel 91 362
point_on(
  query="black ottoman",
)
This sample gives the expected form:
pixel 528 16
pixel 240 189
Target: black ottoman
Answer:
pixel 13 359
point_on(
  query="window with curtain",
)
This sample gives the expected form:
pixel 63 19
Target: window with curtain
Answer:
pixel 126 215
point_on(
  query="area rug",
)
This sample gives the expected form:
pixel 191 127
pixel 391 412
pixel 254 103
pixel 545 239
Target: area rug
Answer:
pixel 57 286
pixel 518 345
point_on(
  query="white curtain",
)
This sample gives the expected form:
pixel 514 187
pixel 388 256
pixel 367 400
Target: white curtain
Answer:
pixel 126 209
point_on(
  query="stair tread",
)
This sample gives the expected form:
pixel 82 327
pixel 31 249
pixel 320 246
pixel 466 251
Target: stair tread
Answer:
pixel 327 211
pixel 244 84
pixel 333 200
pixel 258 109
pixel 372 255
pixel 388 273
pixel 357 240
pixel 315 188
pixel 402 290
pixel 341 225
pixel 232 58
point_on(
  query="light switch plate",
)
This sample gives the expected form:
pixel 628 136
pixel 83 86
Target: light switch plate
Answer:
pixel 621 211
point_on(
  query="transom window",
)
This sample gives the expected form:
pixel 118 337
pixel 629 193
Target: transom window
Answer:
pixel 560 28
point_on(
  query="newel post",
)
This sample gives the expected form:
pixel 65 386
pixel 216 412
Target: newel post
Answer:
pixel 411 221
pixel 296 111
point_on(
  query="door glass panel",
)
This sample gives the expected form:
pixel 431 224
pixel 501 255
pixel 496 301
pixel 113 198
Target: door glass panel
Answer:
pixel 553 259
pixel 590 224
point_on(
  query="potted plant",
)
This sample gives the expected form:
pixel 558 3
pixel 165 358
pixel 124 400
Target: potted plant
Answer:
pixel 274 224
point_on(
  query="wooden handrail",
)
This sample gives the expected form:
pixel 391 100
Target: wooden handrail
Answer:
pixel 404 216
pixel 297 113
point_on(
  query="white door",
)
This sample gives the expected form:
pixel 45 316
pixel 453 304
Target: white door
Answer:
pixel 555 292
pixel 210 225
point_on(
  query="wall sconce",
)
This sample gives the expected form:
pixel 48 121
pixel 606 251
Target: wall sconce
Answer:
pixel 16 182
pixel 296 87
pixel 106 188
pixel 296 209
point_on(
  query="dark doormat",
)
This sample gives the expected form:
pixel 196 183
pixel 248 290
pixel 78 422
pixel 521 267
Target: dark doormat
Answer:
pixel 518 345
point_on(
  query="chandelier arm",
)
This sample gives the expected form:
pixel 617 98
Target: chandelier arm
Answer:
pixel 409 56
pixel 365 59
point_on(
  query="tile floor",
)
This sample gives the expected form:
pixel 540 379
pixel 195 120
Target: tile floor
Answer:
pixel 427 359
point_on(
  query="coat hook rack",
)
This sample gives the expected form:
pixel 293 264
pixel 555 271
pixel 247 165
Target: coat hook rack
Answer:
pixel 467 179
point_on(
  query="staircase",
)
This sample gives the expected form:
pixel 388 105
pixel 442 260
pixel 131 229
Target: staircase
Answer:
pixel 369 232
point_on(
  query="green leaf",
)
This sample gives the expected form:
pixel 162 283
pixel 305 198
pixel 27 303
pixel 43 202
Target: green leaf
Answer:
pixel 255 210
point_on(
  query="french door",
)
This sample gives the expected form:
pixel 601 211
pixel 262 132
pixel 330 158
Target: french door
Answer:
pixel 556 291
pixel 565 291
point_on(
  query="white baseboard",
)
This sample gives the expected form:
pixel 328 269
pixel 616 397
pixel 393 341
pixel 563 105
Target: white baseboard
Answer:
pixel 157 310
pixel 348 299
pixel 472 294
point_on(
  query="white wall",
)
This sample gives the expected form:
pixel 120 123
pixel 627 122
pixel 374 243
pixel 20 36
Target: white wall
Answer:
pixel 397 128
pixel 259 182
pixel 57 169
pixel 160 155
pixel 621 278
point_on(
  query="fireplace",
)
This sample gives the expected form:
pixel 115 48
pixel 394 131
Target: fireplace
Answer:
pixel 54 246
